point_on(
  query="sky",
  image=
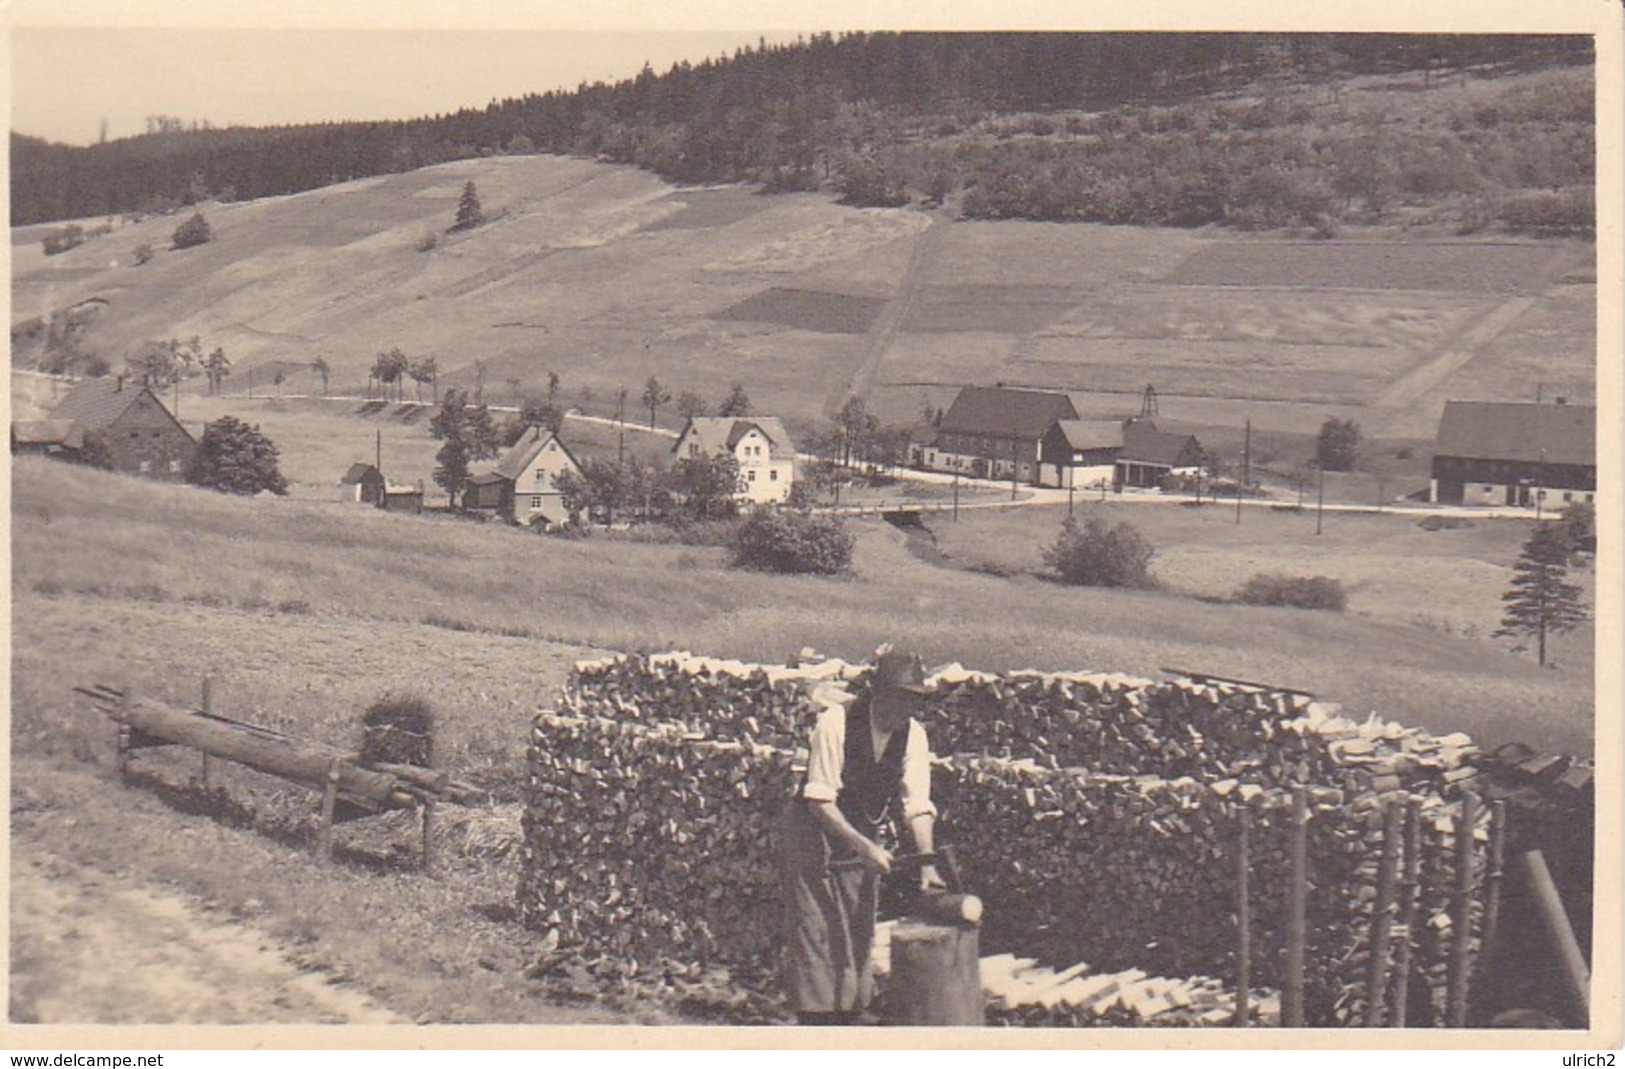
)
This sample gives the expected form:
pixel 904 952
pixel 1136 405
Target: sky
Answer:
pixel 66 81
pixel 75 63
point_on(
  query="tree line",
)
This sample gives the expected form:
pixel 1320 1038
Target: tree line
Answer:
pixel 827 110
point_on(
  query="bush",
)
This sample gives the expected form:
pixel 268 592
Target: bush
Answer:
pixel 1097 556
pixel 236 458
pixel 195 231
pixel 398 729
pixel 792 542
pixel 1307 592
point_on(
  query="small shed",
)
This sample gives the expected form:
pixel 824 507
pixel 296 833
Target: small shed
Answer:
pixel 403 498
pixel 47 437
pixel 362 482
pixel 490 492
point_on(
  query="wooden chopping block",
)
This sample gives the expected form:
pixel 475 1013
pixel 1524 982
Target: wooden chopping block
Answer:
pixel 935 976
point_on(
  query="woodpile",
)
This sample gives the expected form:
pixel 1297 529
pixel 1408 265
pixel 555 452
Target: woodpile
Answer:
pixel 1097 816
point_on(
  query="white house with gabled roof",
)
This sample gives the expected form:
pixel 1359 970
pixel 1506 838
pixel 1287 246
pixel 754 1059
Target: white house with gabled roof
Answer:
pixel 759 445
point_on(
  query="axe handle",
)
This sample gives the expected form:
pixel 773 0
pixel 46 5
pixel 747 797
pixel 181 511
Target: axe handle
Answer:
pixel 897 860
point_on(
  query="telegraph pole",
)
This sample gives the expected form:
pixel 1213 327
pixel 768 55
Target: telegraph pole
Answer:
pixel 1246 468
pixel 1320 503
pixel 1071 487
pixel 956 495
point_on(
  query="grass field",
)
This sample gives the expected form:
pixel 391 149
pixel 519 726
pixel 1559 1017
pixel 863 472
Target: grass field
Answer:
pixel 86 543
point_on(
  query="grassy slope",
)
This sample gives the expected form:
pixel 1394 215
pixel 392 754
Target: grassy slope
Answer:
pixel 299 598
pixel 606 275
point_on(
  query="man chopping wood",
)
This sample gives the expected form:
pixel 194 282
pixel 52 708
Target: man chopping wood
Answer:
pixel 869 758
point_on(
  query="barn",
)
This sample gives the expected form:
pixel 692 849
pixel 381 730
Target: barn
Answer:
pixel 1515 453
pixel 994 432
pixel 138 432
pixel 1080 453
pixel 1150 455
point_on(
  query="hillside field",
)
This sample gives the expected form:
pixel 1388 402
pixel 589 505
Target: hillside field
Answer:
pixel 607 275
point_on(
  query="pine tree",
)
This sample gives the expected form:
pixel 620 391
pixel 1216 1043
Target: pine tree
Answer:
pixel 469 213
pixel 1540 601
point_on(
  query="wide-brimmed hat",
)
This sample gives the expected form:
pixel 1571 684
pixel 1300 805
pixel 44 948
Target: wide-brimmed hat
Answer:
pixel 901 670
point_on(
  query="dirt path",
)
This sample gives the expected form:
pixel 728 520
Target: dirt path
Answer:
pixel 90 947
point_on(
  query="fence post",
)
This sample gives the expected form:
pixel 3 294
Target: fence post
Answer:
pixel 1462 914
pixel 1410 884
pixel 1297 908
pixel 1244 916
pixel 208 710
pixel 1382 917
pixel 330 797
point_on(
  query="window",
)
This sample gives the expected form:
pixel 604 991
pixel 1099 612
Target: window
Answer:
pixel 751 475
pixel 1566 497
pixel 1489 489
pixel 536 501
pixel 541 476
pixel 145 466
pixel 135 434
pixel 693 449
pixel 773 476
pixel 174 466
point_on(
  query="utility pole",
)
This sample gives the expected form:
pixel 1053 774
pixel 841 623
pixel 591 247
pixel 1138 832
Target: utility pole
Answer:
pixel 956 495
pixel 1320 503
pixel 1071 486
pixel 1015 461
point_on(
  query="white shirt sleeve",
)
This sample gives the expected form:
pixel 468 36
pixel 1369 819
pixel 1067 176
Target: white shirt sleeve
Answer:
pixel 827 753
pixel 916 793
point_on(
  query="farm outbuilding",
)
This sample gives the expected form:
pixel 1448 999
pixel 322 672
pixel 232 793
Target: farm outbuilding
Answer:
pixel 1514 453
pixel 362 482
pixel 1080 453
pixel 47 437
pixel 1150 455
pixel 759 445
pixel 140 435
pixel 995 432
pixel 403 498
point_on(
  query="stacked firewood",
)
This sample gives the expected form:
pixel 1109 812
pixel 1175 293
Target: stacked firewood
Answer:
pixel 654 801
pixel 644 843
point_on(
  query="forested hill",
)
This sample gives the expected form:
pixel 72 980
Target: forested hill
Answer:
pixel 1141 128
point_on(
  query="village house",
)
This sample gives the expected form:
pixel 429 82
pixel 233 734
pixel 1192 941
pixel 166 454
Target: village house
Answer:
pixel 991 432
pixel 1515 453
pixel 524 488
pixel 759 445
pixel 137 431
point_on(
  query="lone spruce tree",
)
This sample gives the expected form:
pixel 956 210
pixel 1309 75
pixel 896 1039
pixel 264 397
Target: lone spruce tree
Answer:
pixel 1540 601
pixel 469 213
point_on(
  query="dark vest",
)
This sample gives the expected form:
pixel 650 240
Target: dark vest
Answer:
pixel 869 785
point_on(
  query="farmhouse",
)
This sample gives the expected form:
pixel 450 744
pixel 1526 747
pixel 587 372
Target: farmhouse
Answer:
pixel 140 435
pixel 759 445
pixel 991 432
pixel 524 486
pixel 1512 453
pixel 363 483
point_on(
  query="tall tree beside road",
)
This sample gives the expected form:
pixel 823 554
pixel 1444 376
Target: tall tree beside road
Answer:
pixel 469 436
pixel 1541 601
pixel 654 395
